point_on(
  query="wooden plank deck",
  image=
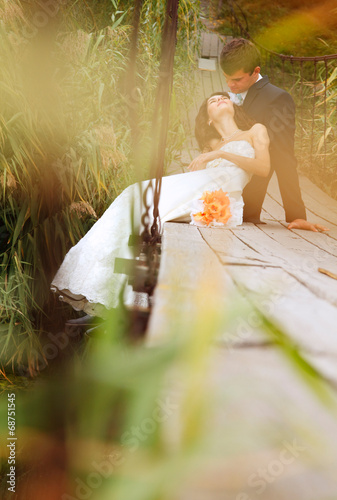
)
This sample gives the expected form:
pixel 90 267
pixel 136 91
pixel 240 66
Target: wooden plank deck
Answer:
pixel 263 261
pixel 211 45
pixel 275 271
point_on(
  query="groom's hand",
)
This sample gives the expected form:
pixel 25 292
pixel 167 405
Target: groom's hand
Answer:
pixel 309 226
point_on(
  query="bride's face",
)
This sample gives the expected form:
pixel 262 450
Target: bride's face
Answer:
pixel 217 105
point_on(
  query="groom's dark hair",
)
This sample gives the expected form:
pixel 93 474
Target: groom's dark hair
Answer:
pixel 239 54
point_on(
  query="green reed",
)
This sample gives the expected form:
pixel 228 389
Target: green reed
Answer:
pixel 316 129
pixel 66 144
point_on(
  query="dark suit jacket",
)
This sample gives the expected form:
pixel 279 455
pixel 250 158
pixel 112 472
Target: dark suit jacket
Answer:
pixel 275 108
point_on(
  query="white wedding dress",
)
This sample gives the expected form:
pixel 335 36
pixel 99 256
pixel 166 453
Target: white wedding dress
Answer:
pixel 86 278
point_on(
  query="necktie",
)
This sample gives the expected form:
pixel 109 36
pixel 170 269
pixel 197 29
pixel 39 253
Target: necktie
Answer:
pixel 240 99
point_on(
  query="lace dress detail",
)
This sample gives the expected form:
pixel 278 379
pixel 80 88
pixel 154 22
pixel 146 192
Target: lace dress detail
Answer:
pixel 86 278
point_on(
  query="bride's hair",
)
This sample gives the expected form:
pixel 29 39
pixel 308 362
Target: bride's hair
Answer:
pixel 204 133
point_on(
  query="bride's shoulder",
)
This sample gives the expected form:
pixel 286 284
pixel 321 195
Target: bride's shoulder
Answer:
pixel 214 144
pixel 259 132
pixel 257 127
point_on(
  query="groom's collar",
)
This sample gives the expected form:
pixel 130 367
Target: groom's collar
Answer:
pixel 261 82
pixel 253 90
pixel 244 94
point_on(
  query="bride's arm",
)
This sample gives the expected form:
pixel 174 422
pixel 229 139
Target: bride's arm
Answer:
pixel 260 165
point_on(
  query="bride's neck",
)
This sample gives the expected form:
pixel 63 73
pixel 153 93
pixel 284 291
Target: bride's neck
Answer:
pixel 226 127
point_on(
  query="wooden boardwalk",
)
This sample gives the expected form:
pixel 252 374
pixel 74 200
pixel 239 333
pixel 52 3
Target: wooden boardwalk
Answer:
pixel 265 260
pixel 262 401
pixel 275 271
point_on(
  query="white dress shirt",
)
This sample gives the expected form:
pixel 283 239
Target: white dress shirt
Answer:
pixel 239 98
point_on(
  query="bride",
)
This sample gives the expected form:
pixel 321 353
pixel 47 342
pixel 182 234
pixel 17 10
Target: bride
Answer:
pixel 233 151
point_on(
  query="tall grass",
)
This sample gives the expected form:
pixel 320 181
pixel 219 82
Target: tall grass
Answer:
pixel 315 95
pixel 65 142
pixel 316 131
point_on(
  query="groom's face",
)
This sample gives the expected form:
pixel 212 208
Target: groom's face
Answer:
pixel 240 81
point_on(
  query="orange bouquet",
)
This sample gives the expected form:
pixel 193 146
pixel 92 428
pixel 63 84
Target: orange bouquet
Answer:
pixel 216 209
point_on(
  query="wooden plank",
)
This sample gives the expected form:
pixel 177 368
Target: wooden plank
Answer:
pixel 189 271
pixel 211 45
pixel 325 364
pixel 219 81
pixel 268 405
pixel 207 64
pixel 269 420
pixel 292 253
pixel 206 84
pixel 214 88
pixel 206 44
pixel 231 249
pixel 214 49
pixel 212 82
pixel 300 293
pixel 316 194
pixel 302 315
pixel 189 262
pixel 273 210
pixel 317 202
pixel 188 266
pixel 222 81
pixel 221 45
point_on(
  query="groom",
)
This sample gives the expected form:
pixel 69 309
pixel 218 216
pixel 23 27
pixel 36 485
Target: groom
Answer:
pixel 275 108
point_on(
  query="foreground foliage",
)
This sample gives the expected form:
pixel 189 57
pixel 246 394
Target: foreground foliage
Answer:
pixel 65 141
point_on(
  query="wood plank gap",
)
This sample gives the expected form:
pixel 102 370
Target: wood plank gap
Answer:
pixel 245 243
pixel 209 246
pixel 302 234
pixel 245 292
pixel 307 208
pixel 275 196
pixel 251 264
pixel 312 288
